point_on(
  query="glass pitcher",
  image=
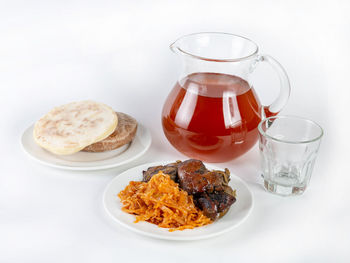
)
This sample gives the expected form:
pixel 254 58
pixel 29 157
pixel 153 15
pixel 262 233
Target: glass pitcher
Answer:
pixel 213 112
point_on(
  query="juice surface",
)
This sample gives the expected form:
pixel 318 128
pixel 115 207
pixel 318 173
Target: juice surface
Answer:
pixel 212 117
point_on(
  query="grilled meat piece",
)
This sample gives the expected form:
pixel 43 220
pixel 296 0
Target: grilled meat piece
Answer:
pixel 170 169
pixel 210 189
pixel 207 205
pixel 195 178
pixel 215 205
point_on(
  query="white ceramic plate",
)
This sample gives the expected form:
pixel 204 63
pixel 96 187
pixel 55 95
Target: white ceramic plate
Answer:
pixel 87 160
pixel 238 212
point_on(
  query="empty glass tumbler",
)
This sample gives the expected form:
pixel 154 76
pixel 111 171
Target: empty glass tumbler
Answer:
pixel 288 148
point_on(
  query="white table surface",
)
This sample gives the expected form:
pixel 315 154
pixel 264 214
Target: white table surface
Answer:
pixel 54 52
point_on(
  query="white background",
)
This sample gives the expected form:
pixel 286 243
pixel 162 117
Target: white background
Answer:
pixel 116 52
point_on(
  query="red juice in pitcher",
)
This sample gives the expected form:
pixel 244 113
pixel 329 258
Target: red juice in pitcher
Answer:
pixel 212 117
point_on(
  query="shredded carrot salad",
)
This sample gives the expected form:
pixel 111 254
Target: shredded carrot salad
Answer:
pixel 160 201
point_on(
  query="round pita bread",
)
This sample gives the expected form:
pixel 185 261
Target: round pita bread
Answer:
pixel 71 127
pixel 123 134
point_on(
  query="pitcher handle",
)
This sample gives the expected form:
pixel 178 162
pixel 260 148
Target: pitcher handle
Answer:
pixel 275 107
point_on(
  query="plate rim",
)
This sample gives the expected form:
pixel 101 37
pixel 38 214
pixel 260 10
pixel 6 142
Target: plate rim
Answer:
pixel 176 238
pixel 89 168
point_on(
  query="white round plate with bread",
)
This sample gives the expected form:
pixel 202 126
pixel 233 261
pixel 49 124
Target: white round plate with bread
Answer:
pixel 85 135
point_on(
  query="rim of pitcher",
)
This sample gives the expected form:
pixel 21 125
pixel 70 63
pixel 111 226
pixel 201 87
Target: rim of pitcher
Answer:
pixel 173 47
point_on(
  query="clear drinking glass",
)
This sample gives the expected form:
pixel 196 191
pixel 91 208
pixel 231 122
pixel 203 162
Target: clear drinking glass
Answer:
pixel 288 149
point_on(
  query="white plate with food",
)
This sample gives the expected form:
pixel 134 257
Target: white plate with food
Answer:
pixel 232 215
pixel 85 136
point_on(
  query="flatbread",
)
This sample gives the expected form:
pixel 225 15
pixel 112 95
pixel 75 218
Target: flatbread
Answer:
pixel 71 127
pixel 123 134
